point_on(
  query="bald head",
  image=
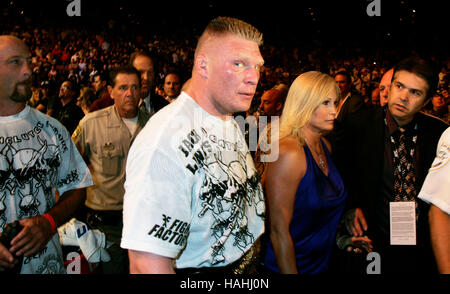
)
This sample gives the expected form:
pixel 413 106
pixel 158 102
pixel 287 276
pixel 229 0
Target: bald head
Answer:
pixel 385 83
pixel 9 38
pixel 11 44
pixel 272 102
pixel 15 71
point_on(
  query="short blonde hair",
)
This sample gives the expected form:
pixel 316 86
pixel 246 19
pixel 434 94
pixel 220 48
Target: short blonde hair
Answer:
pixel 223 25
pixel 306 93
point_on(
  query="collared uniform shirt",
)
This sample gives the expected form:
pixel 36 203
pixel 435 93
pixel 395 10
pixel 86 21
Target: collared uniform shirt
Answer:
pixel 104 140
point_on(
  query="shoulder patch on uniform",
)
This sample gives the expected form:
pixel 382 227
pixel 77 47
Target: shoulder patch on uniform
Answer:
pixel 77 132
pixel 442 157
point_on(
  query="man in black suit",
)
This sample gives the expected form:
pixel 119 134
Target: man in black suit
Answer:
pixel 145 64
pixel 68 113
pixel 350 101
pixel 368 147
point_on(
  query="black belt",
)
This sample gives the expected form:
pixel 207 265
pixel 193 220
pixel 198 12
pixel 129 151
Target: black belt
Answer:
pixel 95 218
pixel 248 264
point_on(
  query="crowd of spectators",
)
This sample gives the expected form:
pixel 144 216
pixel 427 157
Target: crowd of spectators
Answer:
pixel 78 54
pixel 70 65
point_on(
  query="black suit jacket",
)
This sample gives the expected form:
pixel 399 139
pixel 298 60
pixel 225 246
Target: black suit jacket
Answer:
pixel 358 150
pixel 353 104
pixel 69 115
pixel 158 102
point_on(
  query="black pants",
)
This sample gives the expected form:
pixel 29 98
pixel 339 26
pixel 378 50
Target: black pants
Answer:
pixel 110 223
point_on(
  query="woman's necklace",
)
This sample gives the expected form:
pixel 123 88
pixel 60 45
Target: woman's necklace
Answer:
pixel 319 155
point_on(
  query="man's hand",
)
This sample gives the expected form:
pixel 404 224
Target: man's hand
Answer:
pixel 360 244
pixel 355 222
pixel 7 260
pixel 34 236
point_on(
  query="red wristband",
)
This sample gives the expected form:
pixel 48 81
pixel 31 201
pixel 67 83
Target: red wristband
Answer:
pixel 51 221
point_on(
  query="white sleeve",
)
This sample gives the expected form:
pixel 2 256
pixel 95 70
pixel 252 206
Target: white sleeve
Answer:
pixel 73 172
pixel 436 187
pixel 157 203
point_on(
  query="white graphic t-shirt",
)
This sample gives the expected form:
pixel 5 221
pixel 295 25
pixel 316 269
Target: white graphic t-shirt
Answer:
pixel 37 155
pixel 436 187
pixel 191 190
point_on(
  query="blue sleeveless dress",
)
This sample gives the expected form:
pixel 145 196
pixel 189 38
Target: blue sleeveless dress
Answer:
pixel 319 203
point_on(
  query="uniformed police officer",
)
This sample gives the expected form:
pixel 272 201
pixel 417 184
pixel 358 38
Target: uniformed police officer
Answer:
pixel 103 138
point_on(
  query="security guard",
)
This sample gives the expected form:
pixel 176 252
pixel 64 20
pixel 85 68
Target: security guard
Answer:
pixel 104 138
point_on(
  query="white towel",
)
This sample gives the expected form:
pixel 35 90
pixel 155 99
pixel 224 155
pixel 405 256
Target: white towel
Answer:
pixel 91 242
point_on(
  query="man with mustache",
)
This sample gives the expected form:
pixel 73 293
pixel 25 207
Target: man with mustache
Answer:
pixel 17 88
pixel 104 138
pixel 36 156
pixel 389 151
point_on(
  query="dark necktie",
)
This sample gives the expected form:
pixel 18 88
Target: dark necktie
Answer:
pixel 143 107
pixel 404 177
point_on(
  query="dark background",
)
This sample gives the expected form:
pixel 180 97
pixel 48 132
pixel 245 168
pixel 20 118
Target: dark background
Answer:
pixel 328 24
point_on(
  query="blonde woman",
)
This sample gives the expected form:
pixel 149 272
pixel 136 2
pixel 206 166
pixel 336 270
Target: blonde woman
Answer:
pixel 305 193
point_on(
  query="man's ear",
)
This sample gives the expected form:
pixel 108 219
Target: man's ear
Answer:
pixel 201 64
pixel 110 91
pixel 279 106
